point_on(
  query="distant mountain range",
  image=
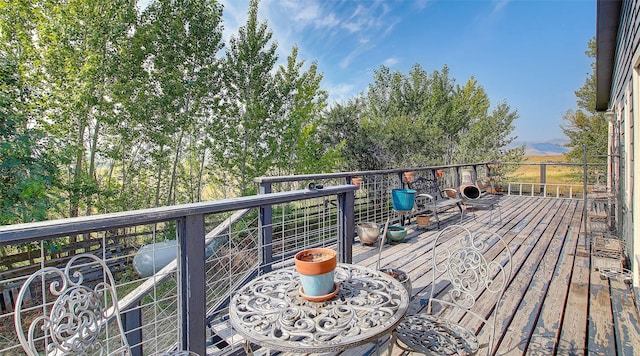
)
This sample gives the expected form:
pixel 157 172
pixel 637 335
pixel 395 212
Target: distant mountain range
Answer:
pixel 548 147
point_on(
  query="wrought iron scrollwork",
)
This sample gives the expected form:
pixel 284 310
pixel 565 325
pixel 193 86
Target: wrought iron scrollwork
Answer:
pixel 271 312
pixel 74 322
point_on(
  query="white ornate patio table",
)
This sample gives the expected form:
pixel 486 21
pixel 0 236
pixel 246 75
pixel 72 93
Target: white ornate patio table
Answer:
pixel 270 312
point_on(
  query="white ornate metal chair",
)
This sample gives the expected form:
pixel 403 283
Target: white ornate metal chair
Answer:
pixel 71 318
pixel 470 274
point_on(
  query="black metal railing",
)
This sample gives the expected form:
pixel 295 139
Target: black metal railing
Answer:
pixel 187 278
pixel 221 245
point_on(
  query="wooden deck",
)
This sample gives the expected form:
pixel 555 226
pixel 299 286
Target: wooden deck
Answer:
pixel 555 303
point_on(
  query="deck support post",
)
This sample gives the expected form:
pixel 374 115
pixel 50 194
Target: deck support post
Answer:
pixel 265 231
pixel 345 226
pixel 191 236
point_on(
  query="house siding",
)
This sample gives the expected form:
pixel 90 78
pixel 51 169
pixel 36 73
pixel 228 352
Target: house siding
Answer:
pixel 624 96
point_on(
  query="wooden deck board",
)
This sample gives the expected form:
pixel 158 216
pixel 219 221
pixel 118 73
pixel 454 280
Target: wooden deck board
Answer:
pixel 601 339
pixel 547 331
pixel 626 319
pixel 529 284
pixel 553 304
pixel 573 332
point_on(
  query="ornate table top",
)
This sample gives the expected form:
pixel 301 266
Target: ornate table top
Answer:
pixel 270 312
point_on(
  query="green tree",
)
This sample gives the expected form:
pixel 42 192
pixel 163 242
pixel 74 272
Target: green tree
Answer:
pixel 250 136
pixel 401 117
pixel 181 39
pixel 341 128
pixel 586 127
pixel 486 136
pixel 300 149
pixel 28 172
pixel 73 55
pixel 421 119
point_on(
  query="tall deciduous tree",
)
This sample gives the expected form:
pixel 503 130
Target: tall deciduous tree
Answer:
pixel 74 55
pixel 28 172
pixel 300 149
pixel 586 127
pixel 251 132
pixel 421 119
pixel 182 39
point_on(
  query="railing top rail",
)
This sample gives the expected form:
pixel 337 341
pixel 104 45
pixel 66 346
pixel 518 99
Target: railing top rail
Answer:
pixel 302 177
pixel 554 163
pixel 21 233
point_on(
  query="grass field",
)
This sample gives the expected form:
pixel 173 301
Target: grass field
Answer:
pixel 556 172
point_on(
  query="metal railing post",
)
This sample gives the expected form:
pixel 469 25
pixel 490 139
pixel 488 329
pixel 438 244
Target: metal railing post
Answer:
pixel 191 235
pixel 345 226
pixel 584 195
pixel 543 178
pixel 132 322
pixel 265 231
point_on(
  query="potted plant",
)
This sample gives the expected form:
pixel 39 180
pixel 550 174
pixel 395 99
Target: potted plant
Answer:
pixel 408 177
pixel 422 220
pixel 396 233
pixel 402 199
pixel 316 267
pixel 368 232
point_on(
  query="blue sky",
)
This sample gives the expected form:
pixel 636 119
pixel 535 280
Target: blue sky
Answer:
pixel 527 53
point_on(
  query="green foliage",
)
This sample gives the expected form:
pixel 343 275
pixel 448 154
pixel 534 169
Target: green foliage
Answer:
pixel 420 119
pixel 300 149
pixel 179 41
pixel 249 138
pixel 270 120
pixel 107 109
pixel 586 127
pixel 28 175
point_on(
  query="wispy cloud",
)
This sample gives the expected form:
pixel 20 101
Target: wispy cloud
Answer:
pixel 421 4
pixel 310 13
pixel 345 32
pixel 342 91
pixel 391 61
pixel 234 16
pixel 498 5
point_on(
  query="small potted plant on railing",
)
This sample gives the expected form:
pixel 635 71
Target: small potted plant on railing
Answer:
pixel 408 177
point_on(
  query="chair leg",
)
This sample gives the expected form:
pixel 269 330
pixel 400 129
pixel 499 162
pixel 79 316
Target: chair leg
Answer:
pixel 392 341
pixel 247 348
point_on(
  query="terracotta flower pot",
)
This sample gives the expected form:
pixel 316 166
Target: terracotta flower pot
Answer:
pixel 408 177
pixel 423 220
pixel 316 267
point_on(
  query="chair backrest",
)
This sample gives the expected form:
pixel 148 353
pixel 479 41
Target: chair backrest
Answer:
pixel 468 266
pixel 77 312
pixel 428 186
